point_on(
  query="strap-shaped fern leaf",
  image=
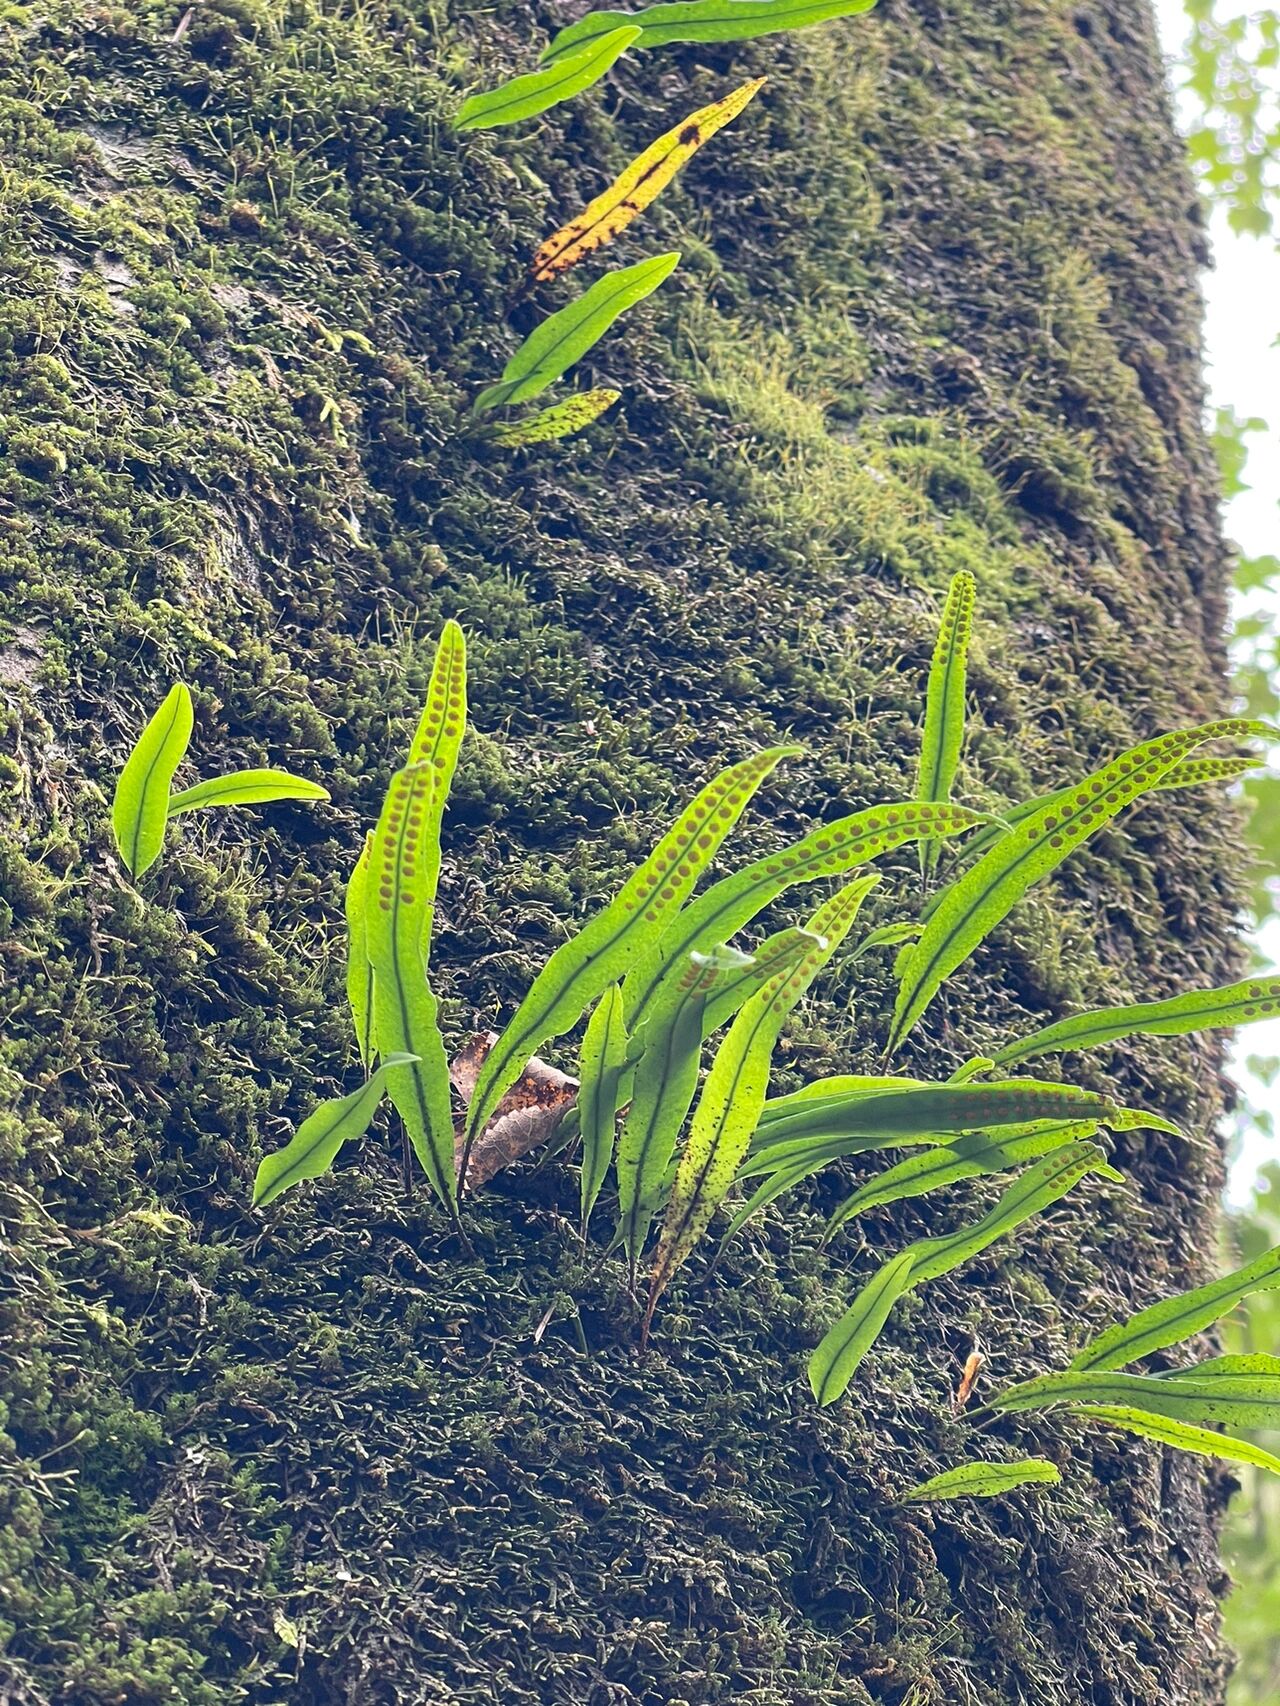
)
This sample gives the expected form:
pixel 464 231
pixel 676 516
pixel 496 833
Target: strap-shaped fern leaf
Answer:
pixel 359 969
pixel 945 702
pixel 1191 773
pixel 139 810
pixel 640 184
pixel 831 850
pixel 561 420
pixel 1176 1318
pixel 398 887
pixel 617 937
pixel 314 1147
pixel 1198 1010
pixel 832 1365
pixel 735 1091
pixel 602 1065
pixel 1244 1400
pixel 976 1153
pixel 972 906
pixel 983 1480
pixel 970 1156
pixel 565 337
pixel 245 788
pixel 934 1108
pixel 665 1081
pixel 702 20
pixel 1183 1435
pixel 777 953
pixel 838 1088
pixel 571 72
pixel 437 740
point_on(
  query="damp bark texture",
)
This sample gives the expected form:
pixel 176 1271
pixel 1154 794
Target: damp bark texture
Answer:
pixel 937 310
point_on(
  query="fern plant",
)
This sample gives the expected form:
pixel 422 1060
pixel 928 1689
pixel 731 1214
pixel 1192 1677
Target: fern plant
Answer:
pixel 659 973
pixel 144 804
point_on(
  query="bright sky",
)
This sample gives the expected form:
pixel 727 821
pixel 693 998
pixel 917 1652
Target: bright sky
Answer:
pixel 1242 326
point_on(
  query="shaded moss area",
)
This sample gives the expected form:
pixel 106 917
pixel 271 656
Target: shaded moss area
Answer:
pixel 936 310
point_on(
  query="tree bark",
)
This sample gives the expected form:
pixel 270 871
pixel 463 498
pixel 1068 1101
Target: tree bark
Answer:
pixel 937 309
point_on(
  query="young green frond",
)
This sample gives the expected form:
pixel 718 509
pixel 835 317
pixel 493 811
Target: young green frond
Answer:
pixel 1237 1399
pixel 982 1480
pixel 140 808
pixel 935 1108
pixel 565 337
pixel 702 21
pixel 833 1364
pixel 1199 1010
pixel 979 900
pixel 359 970
pixel 571 72
pixel 968 1156
pixel 945 702
pixel 314 1147
pixel 601 1068
pixel 665 1080
pixel 243 788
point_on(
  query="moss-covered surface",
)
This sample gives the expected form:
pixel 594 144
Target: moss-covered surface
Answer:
pixel 936 309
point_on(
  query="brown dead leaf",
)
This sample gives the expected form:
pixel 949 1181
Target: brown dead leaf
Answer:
pixel 525 1117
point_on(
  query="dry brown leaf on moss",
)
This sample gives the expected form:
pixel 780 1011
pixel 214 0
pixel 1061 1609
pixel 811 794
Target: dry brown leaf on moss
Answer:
pixel 634 189
pixel 526 1116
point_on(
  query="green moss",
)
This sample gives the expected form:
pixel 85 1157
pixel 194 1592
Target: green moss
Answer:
pixel 936 312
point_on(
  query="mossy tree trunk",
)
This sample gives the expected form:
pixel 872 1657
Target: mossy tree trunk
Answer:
pixel 937 309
